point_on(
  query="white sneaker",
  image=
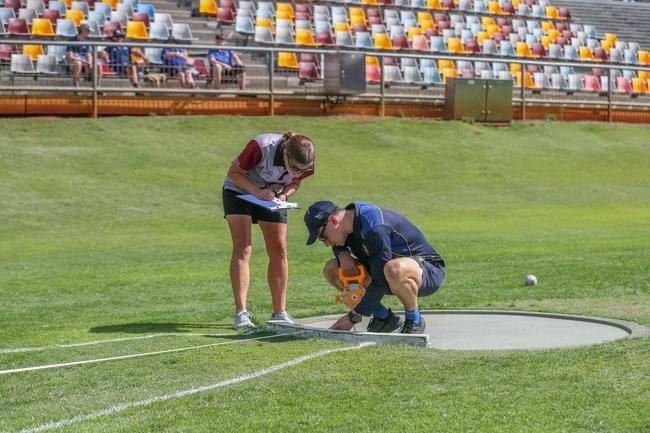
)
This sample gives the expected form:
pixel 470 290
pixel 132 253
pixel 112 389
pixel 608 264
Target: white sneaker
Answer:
pixel 244 320
pixel 284 317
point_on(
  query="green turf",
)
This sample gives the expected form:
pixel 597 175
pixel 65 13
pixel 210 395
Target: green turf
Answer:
pixel 113 228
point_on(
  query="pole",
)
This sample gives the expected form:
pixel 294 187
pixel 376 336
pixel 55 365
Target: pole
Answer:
pixel 271 97
pixel 94 73
pixel 382 102
pixel 522 94
pixel 609 95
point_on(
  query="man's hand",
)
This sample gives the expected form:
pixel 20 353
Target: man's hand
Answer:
pixel 343 324
pixel 348 264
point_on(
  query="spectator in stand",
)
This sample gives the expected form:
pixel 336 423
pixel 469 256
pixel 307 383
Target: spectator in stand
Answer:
pixel 79 57
pixel 178 63
pixel 225 65
pixel 120 59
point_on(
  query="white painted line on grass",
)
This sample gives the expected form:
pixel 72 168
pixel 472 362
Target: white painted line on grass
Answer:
pixel 92 343
pixel 123 406
pixel 135 355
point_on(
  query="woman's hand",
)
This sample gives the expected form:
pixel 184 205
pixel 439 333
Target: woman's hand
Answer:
pixel 264 194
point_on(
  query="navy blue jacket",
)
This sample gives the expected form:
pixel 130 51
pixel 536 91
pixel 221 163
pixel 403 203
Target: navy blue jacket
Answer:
pixel 379 235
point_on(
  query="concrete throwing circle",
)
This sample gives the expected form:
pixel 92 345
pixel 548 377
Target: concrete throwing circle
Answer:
pixel 506 330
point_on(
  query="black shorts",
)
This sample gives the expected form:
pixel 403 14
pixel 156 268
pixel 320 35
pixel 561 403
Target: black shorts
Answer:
pixel 433 274
pixel 233 205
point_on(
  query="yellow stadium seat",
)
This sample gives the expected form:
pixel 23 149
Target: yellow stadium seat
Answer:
pixel 546 41
pixel 382 41
pixel 265 22
pixel 481 36
pixel 136 30
pixel 446 64
pixel 434 4
pixel 611 37
pixel 644 75
pixel 449 73
pixel 283 15
pixel 644 57
pixel 305 37
pixel 546 26
pixel 341 27
pixel 33 51
pixel 427 25
pixel 412 31
pixel 639 86
pixel 42 27
pixel 285 7
pixel 552 12
pixel 488 21
pixel 424 17
pixel 287 60
pixel 113 3
pixel 208 7
pixel 586 54
pixel 357 12
pixel 372 60
pixel 455 45
pixel 369 2
pixel 494 8
pixel 553 34
pixel 528 79
pixel 523 50
pixel 75 15
pixel 492 29
pixel 515 4
pixel 606 45
pixel 68 3
pixel 358 20
pixel 515 69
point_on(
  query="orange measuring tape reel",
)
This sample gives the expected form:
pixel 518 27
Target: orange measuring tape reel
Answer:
pixel 353 287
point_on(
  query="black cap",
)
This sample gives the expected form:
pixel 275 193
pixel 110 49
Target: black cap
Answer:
pixel 316 217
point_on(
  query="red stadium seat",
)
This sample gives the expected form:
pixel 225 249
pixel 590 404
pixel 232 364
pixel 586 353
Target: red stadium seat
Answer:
pixel 324 38
pixel 225 15
pixel 623 85
pixel 141 16
pixel 14 4
pixel 600 54
pixel 592 83
pixel 373 74
pixel 6 50
pixel 448 4
pixel 565 14
pixel 17 26
pixel 302 16
pixel 401 42
pixel 539 50
pixel 439 16
pixel 308 71
pixel 52 15
pixel 472 47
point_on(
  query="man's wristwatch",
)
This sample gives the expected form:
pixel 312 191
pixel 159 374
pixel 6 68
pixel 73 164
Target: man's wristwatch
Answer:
pixel 354 317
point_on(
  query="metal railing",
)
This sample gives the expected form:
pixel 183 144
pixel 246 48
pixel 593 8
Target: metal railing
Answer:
pixel 268 81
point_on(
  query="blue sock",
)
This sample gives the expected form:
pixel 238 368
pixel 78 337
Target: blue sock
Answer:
pixel 380 312
pixel 413 315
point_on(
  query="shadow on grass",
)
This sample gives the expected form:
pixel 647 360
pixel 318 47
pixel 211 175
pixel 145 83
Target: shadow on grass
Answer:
pixel 139 328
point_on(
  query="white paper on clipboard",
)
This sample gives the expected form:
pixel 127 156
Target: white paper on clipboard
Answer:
pixel 274 204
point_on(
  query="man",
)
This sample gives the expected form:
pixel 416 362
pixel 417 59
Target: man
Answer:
pixel 120 61
pixel 80 57
pixel 226 64
pixel 398 258
pixel 177 62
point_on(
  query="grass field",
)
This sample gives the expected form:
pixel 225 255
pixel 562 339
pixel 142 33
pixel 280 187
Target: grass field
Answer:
pixel 112 231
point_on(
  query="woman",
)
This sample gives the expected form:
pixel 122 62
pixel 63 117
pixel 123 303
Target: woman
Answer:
pixel 270 166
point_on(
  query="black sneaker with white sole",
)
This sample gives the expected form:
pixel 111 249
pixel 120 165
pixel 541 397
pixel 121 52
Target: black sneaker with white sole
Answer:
pixel 387 325
pixel 409 327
